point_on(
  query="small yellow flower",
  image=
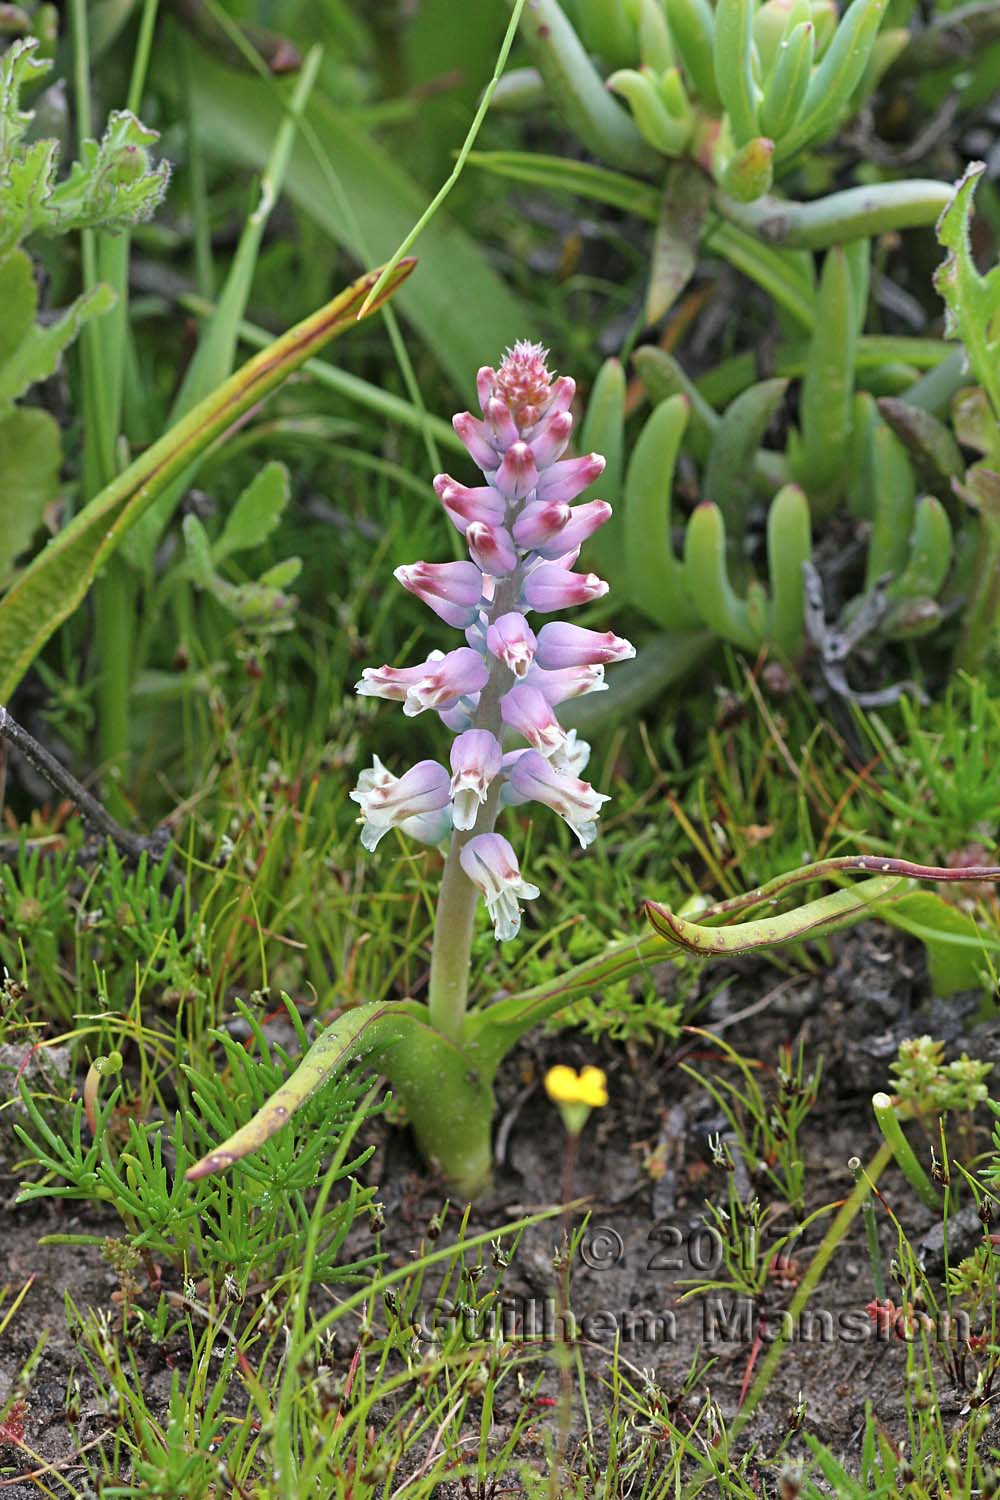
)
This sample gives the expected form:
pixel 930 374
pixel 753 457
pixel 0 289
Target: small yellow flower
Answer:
pixel 576 1094
pixel 566 1086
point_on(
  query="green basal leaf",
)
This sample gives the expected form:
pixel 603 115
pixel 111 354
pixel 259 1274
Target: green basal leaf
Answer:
pixel 30 457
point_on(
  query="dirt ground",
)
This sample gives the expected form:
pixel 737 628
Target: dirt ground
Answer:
pixel 645 1168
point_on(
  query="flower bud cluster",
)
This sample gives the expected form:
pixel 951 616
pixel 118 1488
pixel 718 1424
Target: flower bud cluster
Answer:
pixel 504 685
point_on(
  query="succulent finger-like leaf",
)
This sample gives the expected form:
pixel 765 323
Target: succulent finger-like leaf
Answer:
pixel 928 441
pixel 893 489
pixel 785 89
pixel 655 575
pixel 729 477
pixel 828 388
pixel 655 122
pixel 692 27
pixel 578 91
pixel 607 29
pixel 838 75
pixel 707 577
pixel 656 50
pixel 889 45
pixel 930 553
pixel 662 376
pixel 773 24
pixel 748 173
pixel 603 431
pixel 789 545
pixel 734 67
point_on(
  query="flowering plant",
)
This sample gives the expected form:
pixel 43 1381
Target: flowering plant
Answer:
pixel 504 684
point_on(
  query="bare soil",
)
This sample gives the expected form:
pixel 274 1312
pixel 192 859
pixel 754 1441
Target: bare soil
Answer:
pixel 645 1170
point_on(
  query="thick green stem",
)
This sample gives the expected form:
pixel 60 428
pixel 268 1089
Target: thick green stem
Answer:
pixel 455 918
pixel 856 213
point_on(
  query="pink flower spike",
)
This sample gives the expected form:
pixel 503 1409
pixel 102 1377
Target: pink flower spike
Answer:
pixel 552 439
pixel 475 762
pixel 512 640
pixel 517 474
pixel 386 801
pixel 550 587
pixel 476 438
pixel 539 522
pixel 528 711
pixel 569 478
pixel 491 549
pixel 452 590
pixel 491 864
pixel 464 505
pixel 583 521
pixel 567 682
pixel 500 423
pixel 455 676
pixel 534 779
pixel 563 645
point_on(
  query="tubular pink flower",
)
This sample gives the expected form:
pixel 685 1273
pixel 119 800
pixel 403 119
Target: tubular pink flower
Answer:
pixel 453 590
pixel 386 801
pixel 437 682
pixel 582 522
pixel 539 522
pixel 552 438
pixel 485 381
pixel 464 505
pixel 563 645
pixel 533 779
pixel 569 478
pixel 500 424
pixel 550 587
pixel 491 549
pixel 528 711
pixel 476 438
pixel 476 757
pixel 567 682
pixel 517 475
pixel 512 640
pixel 491 864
